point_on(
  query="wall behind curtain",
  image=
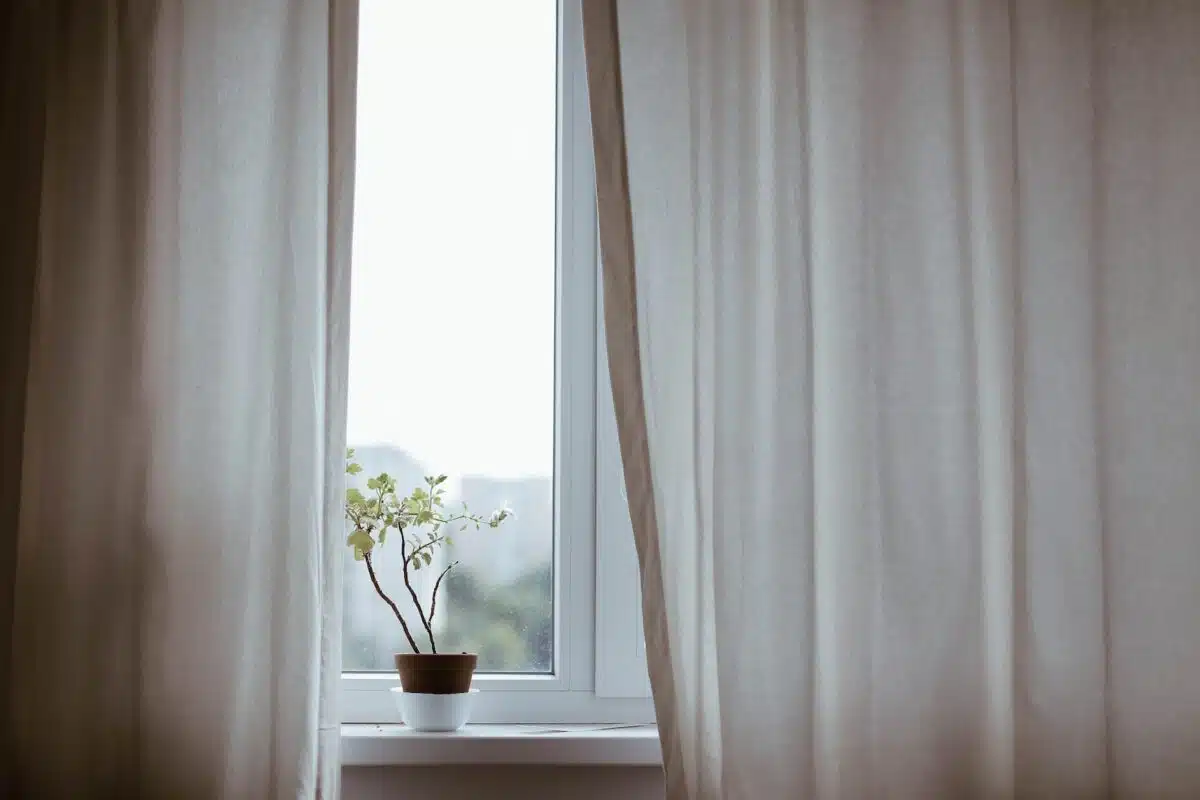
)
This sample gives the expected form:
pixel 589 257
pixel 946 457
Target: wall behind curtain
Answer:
pixel 456 782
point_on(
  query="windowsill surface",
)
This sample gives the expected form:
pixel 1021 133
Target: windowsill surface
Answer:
pixel 561 745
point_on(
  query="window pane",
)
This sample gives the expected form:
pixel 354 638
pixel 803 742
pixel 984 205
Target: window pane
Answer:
pixel 452 320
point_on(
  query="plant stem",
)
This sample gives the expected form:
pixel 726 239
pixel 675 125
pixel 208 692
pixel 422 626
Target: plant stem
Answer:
pixel 428 545
pixel 437 585
pixel 413 592
pixel 374 580
pixel 444 522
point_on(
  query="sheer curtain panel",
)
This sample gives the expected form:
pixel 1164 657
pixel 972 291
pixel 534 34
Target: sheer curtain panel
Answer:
pixel 903 308
pixel 176 243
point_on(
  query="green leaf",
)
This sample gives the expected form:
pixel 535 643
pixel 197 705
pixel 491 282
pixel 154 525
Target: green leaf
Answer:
pixel 360 541
pixel 373 484
pixel 354 497
pixel 428 558
pixel 353 469
pixel 448 541
pixel 358 554
pixel 349 453
pixel 382 534
pixel 416 562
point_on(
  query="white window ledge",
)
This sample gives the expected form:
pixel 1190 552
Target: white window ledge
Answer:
pixel 562 745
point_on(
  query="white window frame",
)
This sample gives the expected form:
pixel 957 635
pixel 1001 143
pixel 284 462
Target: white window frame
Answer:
pixel 599 663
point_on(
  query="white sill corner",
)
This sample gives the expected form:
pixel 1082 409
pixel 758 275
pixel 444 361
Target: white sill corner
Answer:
pixel 549 745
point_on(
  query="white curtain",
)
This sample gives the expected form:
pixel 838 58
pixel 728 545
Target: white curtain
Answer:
pixel 177 245
pixel 903 306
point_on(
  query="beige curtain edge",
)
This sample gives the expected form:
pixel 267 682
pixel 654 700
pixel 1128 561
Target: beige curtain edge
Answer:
pixel 601 45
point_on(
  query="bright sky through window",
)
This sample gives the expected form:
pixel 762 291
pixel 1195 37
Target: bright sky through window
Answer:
pixel 452 348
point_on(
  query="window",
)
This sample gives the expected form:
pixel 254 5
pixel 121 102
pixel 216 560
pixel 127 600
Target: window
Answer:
pixel 475 353
pixel 452 332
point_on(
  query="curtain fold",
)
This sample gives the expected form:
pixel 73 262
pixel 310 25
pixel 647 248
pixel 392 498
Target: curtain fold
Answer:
pixel 184 274
pixel 22 129
pixel 909 338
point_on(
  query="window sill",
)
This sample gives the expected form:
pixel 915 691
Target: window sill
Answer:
pixel 559 745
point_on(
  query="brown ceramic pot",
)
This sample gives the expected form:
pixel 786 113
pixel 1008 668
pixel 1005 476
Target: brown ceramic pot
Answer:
pixel 436 673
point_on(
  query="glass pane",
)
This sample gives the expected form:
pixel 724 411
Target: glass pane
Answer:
pixel 452 320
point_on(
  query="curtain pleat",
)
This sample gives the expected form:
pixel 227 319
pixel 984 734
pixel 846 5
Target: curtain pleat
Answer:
pixel 23 32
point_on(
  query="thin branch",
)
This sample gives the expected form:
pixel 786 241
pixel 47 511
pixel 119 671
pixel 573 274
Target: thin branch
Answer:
pixel 374 580
pixel 413 592
pixel 436 586
pixel 446 521
pixel 427 545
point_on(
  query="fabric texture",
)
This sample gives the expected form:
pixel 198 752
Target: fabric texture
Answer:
pixel 903 314
pixel 176 285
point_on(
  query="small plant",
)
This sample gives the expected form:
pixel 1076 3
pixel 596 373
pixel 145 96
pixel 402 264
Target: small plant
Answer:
pixel 420 521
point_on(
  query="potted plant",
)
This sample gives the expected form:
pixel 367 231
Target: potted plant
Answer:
pixel 435 688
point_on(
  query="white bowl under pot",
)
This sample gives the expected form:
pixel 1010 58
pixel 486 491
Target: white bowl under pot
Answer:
pixel 434 713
